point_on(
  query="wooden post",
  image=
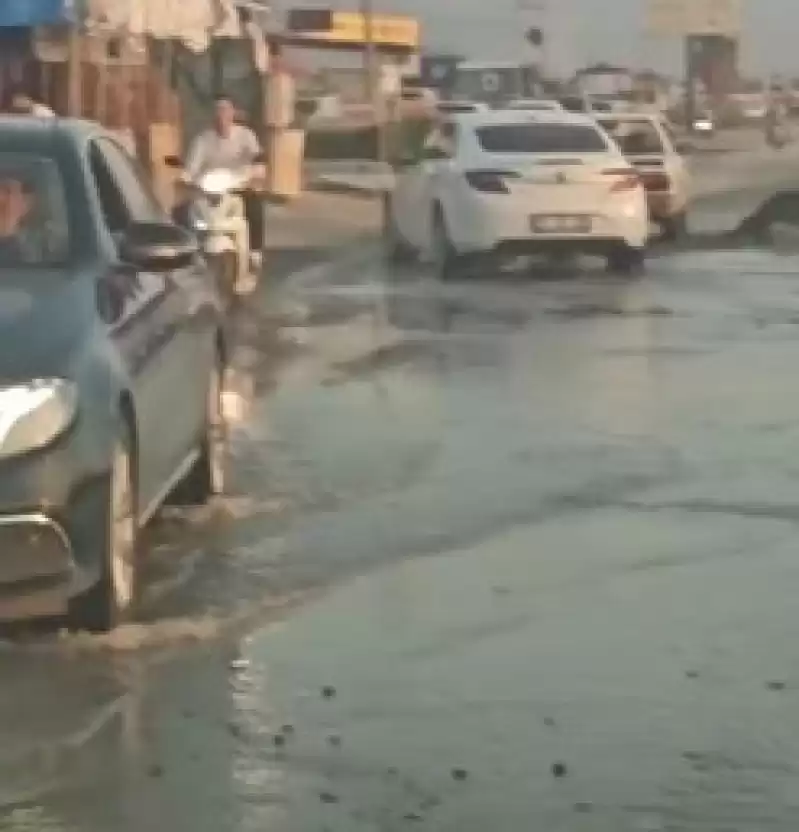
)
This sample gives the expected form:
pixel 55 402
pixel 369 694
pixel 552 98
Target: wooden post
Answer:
pixel 74 71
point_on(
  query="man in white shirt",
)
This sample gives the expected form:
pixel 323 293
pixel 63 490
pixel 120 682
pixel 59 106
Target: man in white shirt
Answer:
pixel 230 145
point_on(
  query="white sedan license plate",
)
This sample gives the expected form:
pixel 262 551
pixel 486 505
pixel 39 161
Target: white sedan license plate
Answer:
pixel 560 224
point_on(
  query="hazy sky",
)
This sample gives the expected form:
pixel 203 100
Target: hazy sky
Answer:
pixel 588 30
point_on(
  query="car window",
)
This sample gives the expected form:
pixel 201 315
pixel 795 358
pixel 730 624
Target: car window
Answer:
pixel 635 138
pixel 573 104
pixel 124 192
pixel 34 219
pixel 541 138
pixel 456 108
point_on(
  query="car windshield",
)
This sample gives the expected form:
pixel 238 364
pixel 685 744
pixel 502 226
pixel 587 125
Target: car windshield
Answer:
pixel 635 138
pixel 540 138
pixel 34 227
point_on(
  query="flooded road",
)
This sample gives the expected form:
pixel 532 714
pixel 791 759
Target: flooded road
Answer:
pixel 514 552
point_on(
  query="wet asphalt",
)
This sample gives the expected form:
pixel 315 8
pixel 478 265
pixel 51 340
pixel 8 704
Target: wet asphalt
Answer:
pixel 517 552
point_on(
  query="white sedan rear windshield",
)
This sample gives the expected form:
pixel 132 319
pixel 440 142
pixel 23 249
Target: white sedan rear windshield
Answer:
pixel 635 138
pixel 540 138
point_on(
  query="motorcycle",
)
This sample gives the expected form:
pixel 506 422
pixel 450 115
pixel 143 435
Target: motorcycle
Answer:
pixel 216 216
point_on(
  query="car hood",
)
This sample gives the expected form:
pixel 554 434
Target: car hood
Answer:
pixel 44 314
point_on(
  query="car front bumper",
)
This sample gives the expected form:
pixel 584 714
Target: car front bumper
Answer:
pixel 52 528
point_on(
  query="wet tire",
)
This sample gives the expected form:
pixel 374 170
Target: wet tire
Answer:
pixel 225 270
pixel 447 263
pixel 114 599
pixel 206 479
pixel 626 260
pixel 674 228
pixel 396 250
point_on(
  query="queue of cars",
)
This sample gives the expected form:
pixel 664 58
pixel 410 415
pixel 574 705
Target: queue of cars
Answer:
pixel 533 178
pixel 111 375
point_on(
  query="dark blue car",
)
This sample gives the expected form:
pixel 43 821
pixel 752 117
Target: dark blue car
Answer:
pixel 112 355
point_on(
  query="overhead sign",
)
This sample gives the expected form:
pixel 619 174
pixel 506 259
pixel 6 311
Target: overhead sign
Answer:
pixel 35 12
pixel 351 28
pixel 679 18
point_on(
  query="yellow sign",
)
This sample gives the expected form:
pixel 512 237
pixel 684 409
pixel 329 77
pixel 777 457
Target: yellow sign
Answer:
pixel 679 18
pixel 349 28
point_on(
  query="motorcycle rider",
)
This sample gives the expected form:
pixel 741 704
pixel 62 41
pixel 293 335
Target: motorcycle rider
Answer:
pixel 232 146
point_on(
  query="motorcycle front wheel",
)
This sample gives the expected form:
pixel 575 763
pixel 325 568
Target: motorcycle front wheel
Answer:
pixel 225 269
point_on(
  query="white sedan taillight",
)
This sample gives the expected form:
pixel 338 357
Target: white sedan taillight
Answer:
pixel 490 181
pixel 622 179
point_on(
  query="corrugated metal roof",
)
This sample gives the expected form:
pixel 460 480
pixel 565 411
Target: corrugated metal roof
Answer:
pixel 192 22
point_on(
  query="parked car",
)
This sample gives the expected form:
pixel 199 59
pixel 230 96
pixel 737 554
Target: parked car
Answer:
pixel 446 108
pixel 534 105
pixel 648 143
pixel 704 124
pixel 111 374
pixel 501 184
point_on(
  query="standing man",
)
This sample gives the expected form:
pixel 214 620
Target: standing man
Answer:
pixel 232 146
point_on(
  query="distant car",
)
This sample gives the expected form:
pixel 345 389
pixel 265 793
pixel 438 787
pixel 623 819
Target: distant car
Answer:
pixel 704 124
pixel 584 104
pixel 455 107
pixel 574 103
pixel 649 144
pixel 537 105
pixel 111 393
pixel 491 186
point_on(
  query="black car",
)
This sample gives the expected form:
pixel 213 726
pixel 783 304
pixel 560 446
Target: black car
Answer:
pixel 111 366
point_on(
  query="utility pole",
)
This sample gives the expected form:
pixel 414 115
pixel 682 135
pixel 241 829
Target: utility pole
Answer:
pixel 75 61
pixel 370 76
pixel 369 53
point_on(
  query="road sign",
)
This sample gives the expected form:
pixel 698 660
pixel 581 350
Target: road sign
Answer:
pixel 679 18
pixel 325 26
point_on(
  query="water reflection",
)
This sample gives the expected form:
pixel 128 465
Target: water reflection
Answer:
pixel 171 759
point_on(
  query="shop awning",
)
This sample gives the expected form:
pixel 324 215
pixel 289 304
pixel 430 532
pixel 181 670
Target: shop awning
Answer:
pixel 24 13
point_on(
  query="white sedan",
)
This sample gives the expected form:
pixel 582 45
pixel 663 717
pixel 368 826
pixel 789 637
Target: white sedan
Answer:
pixel 537 105
pixel 497 185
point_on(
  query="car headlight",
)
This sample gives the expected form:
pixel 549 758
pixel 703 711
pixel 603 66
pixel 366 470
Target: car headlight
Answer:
pixel 34 414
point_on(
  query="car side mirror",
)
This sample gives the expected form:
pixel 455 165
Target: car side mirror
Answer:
pixel 157 246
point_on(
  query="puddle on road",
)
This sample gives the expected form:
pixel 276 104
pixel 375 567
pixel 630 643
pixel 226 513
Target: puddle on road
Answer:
pixel 411 418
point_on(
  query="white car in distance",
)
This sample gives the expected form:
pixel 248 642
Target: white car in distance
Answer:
pixel 490 187
pixel 534 105
pixel 449 108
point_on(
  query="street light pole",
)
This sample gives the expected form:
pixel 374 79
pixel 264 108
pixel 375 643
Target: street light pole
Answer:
pixel 371 85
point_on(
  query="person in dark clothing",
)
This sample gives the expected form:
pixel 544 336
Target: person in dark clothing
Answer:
pixel 16 205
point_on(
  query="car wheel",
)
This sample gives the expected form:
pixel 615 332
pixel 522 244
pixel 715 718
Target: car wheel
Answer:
pixel 396 249
pixel 224 267
pixel 674 228
pixel 114 599
pixel 626 260
pixel 206 479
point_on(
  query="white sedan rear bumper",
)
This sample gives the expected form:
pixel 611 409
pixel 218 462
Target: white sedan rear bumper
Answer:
pixel 480 222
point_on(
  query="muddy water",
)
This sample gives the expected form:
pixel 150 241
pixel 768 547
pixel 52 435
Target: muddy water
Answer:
pixel 571 499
